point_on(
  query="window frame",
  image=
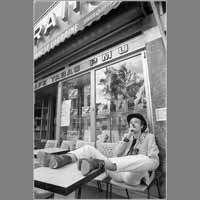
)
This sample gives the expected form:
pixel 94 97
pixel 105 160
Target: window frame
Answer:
pixel 92 71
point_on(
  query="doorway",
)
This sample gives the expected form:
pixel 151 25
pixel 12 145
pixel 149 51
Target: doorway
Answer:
pixel 44 115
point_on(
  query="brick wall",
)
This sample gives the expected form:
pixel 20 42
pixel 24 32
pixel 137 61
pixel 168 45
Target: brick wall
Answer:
pixel 156 58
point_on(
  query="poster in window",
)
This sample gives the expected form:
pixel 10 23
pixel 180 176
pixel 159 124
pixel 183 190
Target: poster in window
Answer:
pixel 85 111
pixel 73 93
pixel 65 113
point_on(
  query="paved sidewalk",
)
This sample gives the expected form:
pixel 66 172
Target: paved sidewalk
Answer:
pixel 90 192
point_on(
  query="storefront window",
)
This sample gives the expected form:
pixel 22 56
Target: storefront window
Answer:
pixel 41 119
pixel 75 114
pixel 120 90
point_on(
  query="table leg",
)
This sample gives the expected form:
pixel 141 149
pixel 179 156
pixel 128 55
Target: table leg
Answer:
pixel 78 193
pixel 107 190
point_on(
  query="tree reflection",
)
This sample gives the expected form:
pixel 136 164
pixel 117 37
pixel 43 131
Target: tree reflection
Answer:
pixel 123 84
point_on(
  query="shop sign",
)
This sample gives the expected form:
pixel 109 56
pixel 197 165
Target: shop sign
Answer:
pixel 55 18
pixel 123 49
pixel 93 61
pixel 69 71
pixel 101 58
pixel 107 56
pixel 161 114
pixel 66 20
pixel 57 77
pixel 42 30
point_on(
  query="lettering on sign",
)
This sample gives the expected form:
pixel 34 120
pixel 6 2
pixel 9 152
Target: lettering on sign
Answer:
pixel 77 68
pixel 68 7
pixel 51 23
pixel 123 49
pixel 98 59
pixel 69 71
pixel 42 83
pixel 76 6
pixel 63 74
pixel 93 61
pixel 44 30
pixel 57 77
pixel 38 32
pixel 107 56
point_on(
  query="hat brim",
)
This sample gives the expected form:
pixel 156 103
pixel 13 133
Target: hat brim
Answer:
pixel 138 116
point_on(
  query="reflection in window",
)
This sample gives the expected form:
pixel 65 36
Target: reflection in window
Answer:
pixel 120 90
pixel 77 92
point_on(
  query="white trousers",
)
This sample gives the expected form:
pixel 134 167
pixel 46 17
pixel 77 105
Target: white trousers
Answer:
pixel 130 169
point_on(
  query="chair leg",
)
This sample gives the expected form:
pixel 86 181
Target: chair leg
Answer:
pixel 107 190
pixel 99 186
pixel 127 193
pixel 78 193
pixel 158 187
pixel 110 191
pixel 148 193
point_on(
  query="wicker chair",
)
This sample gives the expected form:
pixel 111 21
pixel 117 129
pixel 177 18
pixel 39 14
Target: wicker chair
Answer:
pixel 141 187
pixel 51 144
pixel 69 145
pixel 80 143
pixel 107 149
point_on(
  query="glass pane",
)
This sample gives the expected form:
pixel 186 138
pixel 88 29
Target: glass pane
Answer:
pixel 38 112
pixel 45 113
pixel 37 136
pixel 41 118
pixel 44 124
pixel 76 93
pixel 37 124
pixel 44 135
pixel 120 90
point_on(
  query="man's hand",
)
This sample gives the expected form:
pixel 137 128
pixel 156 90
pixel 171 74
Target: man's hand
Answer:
pixel 130 133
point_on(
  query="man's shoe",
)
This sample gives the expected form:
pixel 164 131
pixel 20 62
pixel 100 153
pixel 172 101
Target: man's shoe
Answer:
pixel 88 165
pixel 58 161
pixel 43 158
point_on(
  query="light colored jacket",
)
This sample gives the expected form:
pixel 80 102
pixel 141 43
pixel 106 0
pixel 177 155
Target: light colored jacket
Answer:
pixel 146 145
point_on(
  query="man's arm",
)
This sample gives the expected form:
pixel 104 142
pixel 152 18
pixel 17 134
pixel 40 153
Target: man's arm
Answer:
pixel 121 147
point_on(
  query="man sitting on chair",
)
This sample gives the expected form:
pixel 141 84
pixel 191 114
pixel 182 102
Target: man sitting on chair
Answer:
pixel 135 155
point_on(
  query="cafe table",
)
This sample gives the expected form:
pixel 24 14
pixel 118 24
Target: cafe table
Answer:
pixel 53 150
pixel 64 180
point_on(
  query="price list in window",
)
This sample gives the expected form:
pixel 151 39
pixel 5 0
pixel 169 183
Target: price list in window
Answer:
pixel 65 113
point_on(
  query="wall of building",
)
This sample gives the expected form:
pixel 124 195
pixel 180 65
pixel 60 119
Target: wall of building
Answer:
pixel 156 58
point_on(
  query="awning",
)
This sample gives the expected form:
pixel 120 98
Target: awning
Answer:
pixel 103 9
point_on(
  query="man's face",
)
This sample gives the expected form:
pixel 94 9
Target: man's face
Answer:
pixel 136 125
